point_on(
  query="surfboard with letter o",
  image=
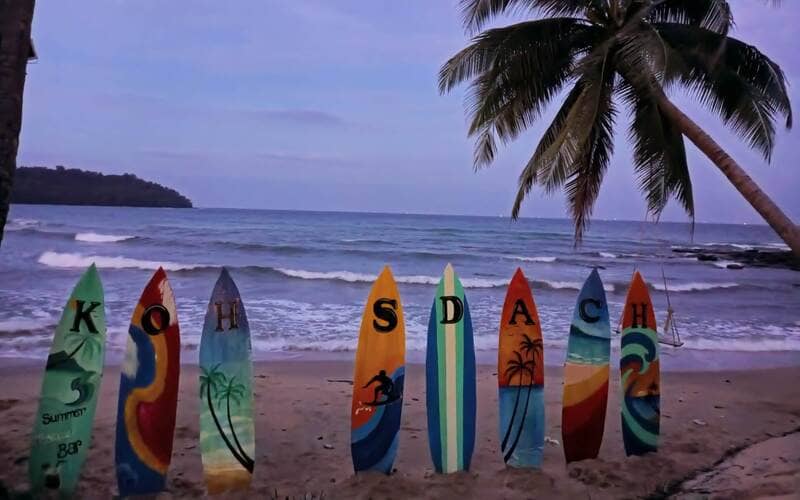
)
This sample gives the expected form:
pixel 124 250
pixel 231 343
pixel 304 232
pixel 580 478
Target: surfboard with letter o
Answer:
pixel 148 391
pixel 520 377
pixel 62 432
pixel 227 434
pixel 586 371
pixel 378 379
pixel 450 377
pixel 640 372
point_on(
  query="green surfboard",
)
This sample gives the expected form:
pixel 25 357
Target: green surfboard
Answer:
pixel 62 432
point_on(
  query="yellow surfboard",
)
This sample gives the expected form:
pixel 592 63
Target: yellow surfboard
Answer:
pixel 378 378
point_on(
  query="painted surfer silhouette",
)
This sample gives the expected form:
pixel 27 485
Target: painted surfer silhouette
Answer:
pixel 385 387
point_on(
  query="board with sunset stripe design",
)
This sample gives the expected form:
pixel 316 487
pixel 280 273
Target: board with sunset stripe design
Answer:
pixel 450 377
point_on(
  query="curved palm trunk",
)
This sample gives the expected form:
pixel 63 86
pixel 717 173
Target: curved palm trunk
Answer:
pixel 249 465
pixel 513 415
pixel 15 48
pixel 748 188
pixel 521 423
pixel 233 451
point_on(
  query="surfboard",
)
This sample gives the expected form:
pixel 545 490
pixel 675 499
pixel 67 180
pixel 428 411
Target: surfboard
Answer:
pixel 378 379
pixel 639 371
pixel 148 391
pixel 586 371
pixel 450 377
pixel 62 432
pixel 520 377
pixel 227 434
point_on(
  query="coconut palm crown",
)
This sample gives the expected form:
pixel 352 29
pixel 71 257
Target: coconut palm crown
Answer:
pixel 608 55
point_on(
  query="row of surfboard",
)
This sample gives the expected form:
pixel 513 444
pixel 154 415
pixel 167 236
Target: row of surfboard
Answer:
pixel 148 390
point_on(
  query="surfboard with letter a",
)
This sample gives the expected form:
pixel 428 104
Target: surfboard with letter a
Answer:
pixel 450 377
pixel 62 432
pixel 378 379
pixel 586 371
pixel 227 434
pixel 640 371
pixel 148 391
pixel 520 377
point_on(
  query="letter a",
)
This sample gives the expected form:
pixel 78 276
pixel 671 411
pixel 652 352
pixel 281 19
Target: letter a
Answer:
pixel 458 309
pixel 85 316
pixel 521 308
pixel 384 309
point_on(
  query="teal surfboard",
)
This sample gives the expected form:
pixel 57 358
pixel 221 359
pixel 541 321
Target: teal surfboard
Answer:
pixel 227 433
pixel 62 432
pixel 450 377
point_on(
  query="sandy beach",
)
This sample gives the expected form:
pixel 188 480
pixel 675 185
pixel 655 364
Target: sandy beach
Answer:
pixel 729 434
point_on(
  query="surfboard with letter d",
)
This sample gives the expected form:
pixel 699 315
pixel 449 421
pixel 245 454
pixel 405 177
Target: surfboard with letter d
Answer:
pixel 62 432
pixel 378 379
pixel 148 391
pixel 450 377
pixel 520 377
pixel 227 434
pixel 640 371
pixel 586 370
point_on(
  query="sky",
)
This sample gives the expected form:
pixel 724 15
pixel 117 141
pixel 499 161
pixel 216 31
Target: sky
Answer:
pixel 322 105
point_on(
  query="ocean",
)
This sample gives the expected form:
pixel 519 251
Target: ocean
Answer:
pixel 305 276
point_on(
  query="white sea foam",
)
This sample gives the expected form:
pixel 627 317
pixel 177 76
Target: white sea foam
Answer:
pixel 748 345
pixel 351 277
pixel 101 238
pixel 76 260
pixel 608 255
pixel 693 287
pixel 545 259
pixel 723 264
pixel 572 285
pixel 24 324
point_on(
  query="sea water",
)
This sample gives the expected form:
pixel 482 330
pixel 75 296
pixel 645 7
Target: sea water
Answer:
pixel 305 276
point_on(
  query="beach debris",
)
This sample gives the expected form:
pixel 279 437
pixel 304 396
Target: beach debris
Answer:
pixel 319 438
pixel 701 423
pixel 549 440
pixel 327 446
pixel 719 407
pixel 340 380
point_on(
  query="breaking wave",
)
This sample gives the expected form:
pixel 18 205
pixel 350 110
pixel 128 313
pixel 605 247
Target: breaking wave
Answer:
pixel 101 238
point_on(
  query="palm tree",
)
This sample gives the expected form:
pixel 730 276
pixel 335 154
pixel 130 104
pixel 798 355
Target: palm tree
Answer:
pixel 533 349
pixel 86 343
pixel 15 50
pixel 611 51
pixel 516 367
pixel 212 380
pixel 234 391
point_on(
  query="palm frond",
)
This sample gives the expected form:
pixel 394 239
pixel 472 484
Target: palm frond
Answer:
pixel 476 13
pixel 713 15
pixel 659 154
pixel 733 79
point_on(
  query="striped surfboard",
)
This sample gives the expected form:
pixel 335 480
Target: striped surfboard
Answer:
pixel 640 372
pixel 586 370
pixel 450 377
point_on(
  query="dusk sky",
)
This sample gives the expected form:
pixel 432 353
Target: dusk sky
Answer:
pixel 324 105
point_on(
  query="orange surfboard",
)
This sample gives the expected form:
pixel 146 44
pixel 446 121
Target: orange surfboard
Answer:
pixel 378 379
pixel 640 372
pixel 520 377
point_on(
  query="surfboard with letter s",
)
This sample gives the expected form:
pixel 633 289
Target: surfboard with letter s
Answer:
pixel 450 377
pixel 62 432
pixel 378 379
pixel 148 391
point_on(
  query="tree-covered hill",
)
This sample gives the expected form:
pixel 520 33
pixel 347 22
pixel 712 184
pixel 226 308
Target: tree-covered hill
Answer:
pixel 71 186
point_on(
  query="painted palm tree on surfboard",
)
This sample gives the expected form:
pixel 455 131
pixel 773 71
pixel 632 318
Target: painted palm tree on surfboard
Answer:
pixel 522 367
pixel 219 390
